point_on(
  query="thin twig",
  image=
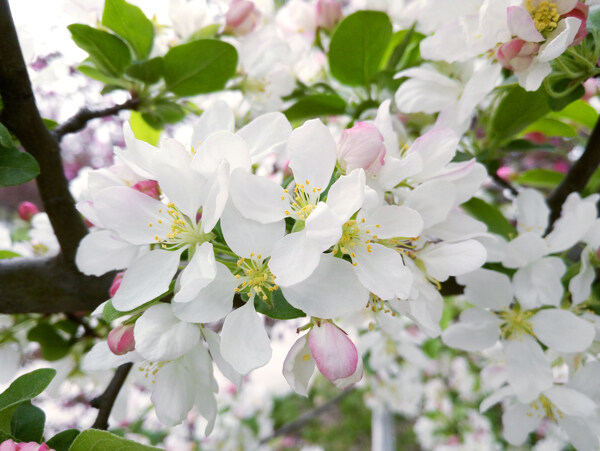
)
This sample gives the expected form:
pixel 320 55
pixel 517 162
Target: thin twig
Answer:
pixel 83 116
pixel 504 184
pixel 298 423
pixel 578 175
pixel 104 403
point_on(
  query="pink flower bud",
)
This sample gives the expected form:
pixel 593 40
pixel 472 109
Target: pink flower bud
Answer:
pixel 148 187
pixel 335 355
pixel 10 445
pixel 505 173
pixel 361 147
pixel 517 54
pixel 116 283
pixel 580 12
pixel 27 210
pixel 536 137
pixel 591 88
pixel 328 13
pixel 120 339
pixel 242 16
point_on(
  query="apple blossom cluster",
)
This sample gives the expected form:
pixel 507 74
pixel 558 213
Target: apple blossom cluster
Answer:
pixel 358 224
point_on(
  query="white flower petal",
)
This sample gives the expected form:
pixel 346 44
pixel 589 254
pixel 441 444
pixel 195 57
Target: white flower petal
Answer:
pixel 391 221
pixel 218 117
pixel 524 249
pixel 518 422
pixel 216 199
pixel 580 286
pixel 382 272
pixel 173 393
pixel 570 401
pixel 521 24
pixel 452 259
pixel 214 346
pixel 323 227
pixel 293 259
pixel 437 148
pixel 258 198
pixel 101 251
pixel 212 302
pixel 313 153
pixel 539 283
pixel 198 273
pixel 528 371
pixel 532 212
pixel 265 134
pixel 346 195
pixel 487 289
pixel 476 330
pixel 581 433
pixel 244 340
pixel 559 39
pixel 100 358
pixel 433 200
pixel 331 290
pixel 577 217
pixel 148 277
pixel 299 366
pixel 562 331
pixel 531 78
pixel 160 336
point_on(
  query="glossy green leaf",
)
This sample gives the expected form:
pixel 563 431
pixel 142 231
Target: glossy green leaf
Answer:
pixel 199 67
pixel 517 109
pixel 26 387
pixel 149 71
pixel 142 130
pixel 281 308
pixel 551 127
pixel 63 440
pixel 316 105
pixel 96 440
pixel 162 112
pixel 579 112
pixel 52 344
pixel 541 178
pixel 557 104
pixel 5 137
pixel 8 254
pixel 27 423
pixel 129 22
pixel 358 45
pixel 16 167
pixel 490 216
pixel 87 69
pixel 108 52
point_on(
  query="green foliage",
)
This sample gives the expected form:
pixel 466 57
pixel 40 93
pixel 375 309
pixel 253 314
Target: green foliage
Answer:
pixel 358 46
pixel 161 112
pixel 551 127
pixel 316 105
pixel 199 67
pixel 142 130
pixel 96 440
pixel 279 308
pixel 27 423
pixel 541 178
pixel 129 22
pixel 516 109
pixel 52 344
pixel 63 440
pixel 16 167
pixel 579 112
pixel 149 72
pixel 108 53
pixel 26 387
pixel 8 254
pixel 490 216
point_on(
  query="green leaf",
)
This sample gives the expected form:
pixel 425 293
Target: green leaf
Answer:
pixel 541 178
pixel 107 51
pixel 90 71
pixel 26 387
pixel 551 127
pixel 63 440
pixel 8 254
pixel 96 440
pixel 52 344
pixel 149 71
pixel 50 124
pixel 515 111
pixel 16 167
pixel 491 216
pixel 129 22
pixel 27 423
pixel 557 104
pixel 579 112
pixel 142 130
pixel 199 67
pixel 207 32
pixel 5 137
pixel 281 308
pixel 358 45
pixel 6 436
pixel 316 105
pixel 162 112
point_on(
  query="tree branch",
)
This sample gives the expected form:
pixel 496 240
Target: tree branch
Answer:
pixel 106 400
pixel 49 285
pixel 298 423
pixel 578 175
pixel 80 120
pixel 21 116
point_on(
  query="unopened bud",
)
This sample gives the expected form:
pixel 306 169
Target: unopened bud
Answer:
pixel 242 16
pixel 148 187
pixel 116 283
pixel 328 13
pixel 27 210
pixel 10 445
pixel 517 54
pixel 121 340
pixel 361 147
